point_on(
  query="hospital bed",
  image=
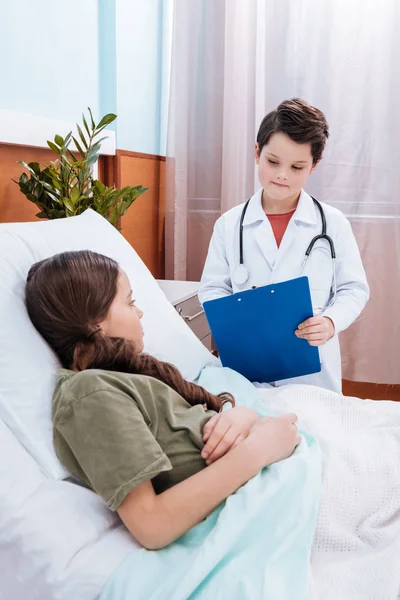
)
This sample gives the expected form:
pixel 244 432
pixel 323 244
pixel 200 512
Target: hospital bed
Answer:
pixel 59 541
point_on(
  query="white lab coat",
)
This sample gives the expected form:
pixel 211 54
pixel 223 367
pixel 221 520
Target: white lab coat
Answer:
pixel 266 263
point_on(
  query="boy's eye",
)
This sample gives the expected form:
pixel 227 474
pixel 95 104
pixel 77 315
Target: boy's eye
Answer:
pixel 272 162
pixel 132 302
pixel 297 168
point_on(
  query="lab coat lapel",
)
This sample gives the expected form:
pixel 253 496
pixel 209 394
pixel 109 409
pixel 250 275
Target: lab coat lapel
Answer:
pixel 266 241
pixel 257 222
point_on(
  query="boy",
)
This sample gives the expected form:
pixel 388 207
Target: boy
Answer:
pixel 279 222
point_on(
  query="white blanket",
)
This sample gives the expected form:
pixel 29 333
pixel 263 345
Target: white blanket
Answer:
pixel 356 552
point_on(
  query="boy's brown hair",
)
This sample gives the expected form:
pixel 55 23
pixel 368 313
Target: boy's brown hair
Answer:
pixel 302 122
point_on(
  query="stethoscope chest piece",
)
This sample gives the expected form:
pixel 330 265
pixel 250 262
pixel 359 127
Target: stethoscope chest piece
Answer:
pixel 240 275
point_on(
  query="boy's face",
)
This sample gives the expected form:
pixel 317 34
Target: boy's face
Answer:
pixel 283 166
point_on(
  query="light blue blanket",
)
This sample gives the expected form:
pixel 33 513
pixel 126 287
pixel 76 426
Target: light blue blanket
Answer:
pixel 256 545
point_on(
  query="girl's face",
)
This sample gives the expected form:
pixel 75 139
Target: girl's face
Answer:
pixel 283 166
pixel 123 319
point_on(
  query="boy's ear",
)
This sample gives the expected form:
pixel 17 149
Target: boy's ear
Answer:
pixel 314 167
pixel 257 152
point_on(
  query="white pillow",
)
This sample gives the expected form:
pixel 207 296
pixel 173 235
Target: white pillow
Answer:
pixel 58 540
pixel 28 366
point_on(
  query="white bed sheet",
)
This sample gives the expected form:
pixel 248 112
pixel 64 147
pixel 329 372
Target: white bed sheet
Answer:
pixel 356 552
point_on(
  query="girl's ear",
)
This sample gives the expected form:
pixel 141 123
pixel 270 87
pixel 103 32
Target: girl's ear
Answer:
pixel 257 153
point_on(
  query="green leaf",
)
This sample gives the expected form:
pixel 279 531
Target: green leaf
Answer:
pixel 84 142
pixel 53 188
pixel 59 140
pixel 38 191
pixel 35 167
pixel 56 214
pixel 73 156
pixel 42 215
pixel 86 125
pixel 92 159
pixel 141 190
pixel 101 140
pixel 80 150
pixel 67 140
pixel 53 147
pixel 69 204
pixel 74 195
pixel 24 164
pixel 41 205
pixel 94 150
pixel 106 120
pixel 54 201
pixel 86 202
pixel 112 217
pixel 91 117
pixel 99 185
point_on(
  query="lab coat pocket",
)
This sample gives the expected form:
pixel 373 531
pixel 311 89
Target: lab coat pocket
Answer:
pixel 320 300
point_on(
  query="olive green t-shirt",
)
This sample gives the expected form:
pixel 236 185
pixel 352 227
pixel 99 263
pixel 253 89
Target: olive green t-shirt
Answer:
pixel 116 430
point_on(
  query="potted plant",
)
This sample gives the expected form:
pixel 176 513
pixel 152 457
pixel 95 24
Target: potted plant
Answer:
pixel 66 186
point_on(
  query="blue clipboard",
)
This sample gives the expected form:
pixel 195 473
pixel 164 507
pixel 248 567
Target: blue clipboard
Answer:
pixel 254 331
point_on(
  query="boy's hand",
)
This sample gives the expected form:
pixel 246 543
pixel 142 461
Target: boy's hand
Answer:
pixel 226 430
pixel 316 330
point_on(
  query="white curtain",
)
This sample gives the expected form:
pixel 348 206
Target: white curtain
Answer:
pixel 235 60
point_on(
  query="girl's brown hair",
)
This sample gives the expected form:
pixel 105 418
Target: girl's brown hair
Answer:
pixel 68 295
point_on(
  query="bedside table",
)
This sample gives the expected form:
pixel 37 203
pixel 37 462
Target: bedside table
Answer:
pixel 183 296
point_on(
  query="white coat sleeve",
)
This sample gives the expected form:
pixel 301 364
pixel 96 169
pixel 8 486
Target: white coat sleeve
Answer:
pixel 352 285
pixel 216 280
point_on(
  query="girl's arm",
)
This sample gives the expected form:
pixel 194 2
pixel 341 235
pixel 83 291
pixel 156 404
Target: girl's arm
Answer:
pixel 157 520
pixel 226 430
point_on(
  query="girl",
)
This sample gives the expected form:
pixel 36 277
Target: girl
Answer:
pixel 155 447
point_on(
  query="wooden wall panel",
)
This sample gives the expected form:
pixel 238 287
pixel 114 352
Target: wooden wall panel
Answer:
pixel 161 221
pixel 143 224
pixel 371 391
pixel 14 207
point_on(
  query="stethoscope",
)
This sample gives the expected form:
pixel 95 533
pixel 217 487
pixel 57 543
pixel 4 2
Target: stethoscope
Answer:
pixel 241 273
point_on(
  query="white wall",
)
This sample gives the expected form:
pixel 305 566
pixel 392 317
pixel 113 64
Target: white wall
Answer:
pixel 142 36
pixel 58 57
pixel 49 57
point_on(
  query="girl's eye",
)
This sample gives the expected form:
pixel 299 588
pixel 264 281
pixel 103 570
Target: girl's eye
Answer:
pixel 297 168
pixel 132 302
pixel 272 162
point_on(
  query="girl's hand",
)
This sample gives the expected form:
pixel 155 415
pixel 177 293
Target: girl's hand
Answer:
pixel 316 330
pixel 273 439
pixel 226 430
